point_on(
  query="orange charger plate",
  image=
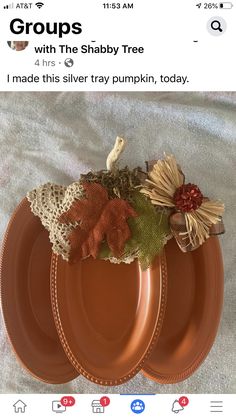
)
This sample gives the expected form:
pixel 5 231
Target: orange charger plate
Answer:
pixel 25 297
pixel 108 316
pixel 194 304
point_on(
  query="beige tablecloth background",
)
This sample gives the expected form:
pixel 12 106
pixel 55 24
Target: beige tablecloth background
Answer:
pixel 57 136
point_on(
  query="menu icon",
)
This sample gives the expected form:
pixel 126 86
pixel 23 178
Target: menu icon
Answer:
pixel 216 406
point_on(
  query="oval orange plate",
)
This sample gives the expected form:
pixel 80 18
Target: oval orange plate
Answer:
pixel 108 316
pixel 25 297
pixel 194 303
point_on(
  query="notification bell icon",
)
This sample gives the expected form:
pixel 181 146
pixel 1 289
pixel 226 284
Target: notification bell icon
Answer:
pixel 176 407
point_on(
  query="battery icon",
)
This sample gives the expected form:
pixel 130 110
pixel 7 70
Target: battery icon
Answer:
pixel 226 5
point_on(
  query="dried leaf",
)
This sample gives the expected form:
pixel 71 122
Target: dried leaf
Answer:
pixel 99 218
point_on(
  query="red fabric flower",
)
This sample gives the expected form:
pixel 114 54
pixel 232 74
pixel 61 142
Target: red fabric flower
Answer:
pixel 188 197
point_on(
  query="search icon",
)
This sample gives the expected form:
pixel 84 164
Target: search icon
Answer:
pixel 216 26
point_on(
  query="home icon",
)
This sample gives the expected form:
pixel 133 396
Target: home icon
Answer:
pixel 19 406
pixel 97 407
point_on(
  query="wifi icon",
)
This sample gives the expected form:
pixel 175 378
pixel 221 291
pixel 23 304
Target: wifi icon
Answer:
pixel 39 5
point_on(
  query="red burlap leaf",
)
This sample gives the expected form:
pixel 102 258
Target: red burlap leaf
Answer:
pixel 99 218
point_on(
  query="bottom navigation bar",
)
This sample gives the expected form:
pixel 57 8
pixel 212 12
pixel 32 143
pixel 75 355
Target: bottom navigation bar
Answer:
pixel 150 406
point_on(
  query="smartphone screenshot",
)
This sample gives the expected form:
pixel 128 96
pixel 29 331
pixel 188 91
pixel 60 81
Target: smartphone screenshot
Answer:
pixel 117 202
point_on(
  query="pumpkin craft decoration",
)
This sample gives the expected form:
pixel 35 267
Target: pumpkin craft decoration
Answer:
pixel 114 247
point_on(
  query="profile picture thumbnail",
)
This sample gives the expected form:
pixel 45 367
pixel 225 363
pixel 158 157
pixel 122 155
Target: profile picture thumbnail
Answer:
pixel 18 45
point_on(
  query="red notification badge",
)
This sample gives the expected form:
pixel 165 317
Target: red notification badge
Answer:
pixel 183 401
pixel 105 401
pixel 67 401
